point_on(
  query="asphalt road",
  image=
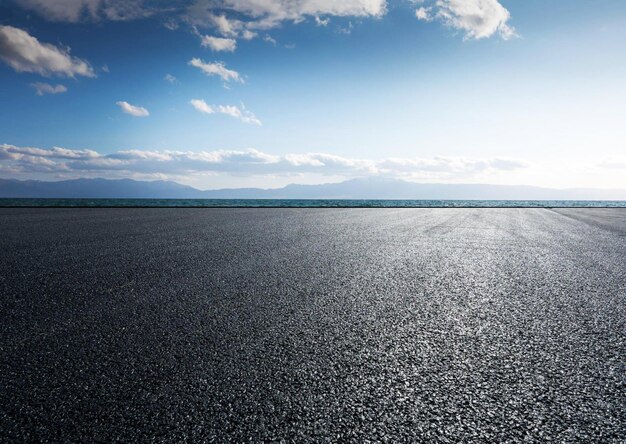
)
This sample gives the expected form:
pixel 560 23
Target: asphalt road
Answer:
pixel 400 325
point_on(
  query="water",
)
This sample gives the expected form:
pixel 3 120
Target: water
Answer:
pixel 307 203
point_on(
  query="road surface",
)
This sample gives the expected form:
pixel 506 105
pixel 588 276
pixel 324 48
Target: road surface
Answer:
pixel 332 325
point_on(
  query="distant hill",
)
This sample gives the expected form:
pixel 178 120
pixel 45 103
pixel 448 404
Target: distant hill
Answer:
pixel 362 188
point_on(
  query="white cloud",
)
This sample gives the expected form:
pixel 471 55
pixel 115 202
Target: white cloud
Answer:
pixel 219 43
pixel 216 69
pixel 46 88
pixel 270 13
pixel 136 111
pixel 230 110
pixel 24 53
pixel 477 18
pixel 170 78
pixel 251 162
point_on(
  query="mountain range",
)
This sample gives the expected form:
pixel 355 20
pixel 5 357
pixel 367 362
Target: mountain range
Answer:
pixel 360 188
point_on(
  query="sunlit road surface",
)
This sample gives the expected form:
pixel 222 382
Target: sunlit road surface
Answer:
pixel 436 325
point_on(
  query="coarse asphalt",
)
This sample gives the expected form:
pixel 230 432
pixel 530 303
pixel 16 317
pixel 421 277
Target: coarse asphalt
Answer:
pixel 321 325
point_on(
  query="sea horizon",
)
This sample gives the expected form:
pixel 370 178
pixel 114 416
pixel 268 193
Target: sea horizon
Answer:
pixel 301 203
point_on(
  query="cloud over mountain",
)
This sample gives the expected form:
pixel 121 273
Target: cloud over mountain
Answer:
pixel 251 162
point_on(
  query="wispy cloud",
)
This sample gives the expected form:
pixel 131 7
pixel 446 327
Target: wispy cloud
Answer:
pixel 170 78
pixel 269 39
pixel 46 88
pixel 251 162
pixel 136 111
pixel 613 163
pixel 74 11
pixel 321 21
pixel 230 110
pixel 216 69
pixel 24 53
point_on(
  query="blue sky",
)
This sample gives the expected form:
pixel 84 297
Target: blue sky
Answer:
pixel 459 91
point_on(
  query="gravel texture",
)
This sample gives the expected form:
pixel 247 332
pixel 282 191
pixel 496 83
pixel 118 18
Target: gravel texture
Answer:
pixel 324 325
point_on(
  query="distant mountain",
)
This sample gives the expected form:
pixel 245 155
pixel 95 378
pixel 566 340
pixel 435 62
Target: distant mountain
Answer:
pixel 363 188
pixel 97 188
